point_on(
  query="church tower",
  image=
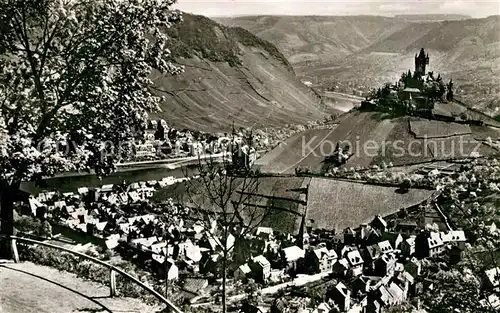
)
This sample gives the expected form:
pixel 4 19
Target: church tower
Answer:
pixel 421 60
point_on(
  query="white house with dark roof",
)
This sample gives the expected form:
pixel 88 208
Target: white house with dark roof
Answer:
pixel 242 272
pixel 356 262
pixel 456 237
pixel 291 255
pixel 379 223
pixel 408 246
pixel 385 246
pixel 326 258
pixel 385 265
pixel 435 244
pixel 341 296
pixel 261 268
pixel 341 267
pixel 264 232
pixel 492 279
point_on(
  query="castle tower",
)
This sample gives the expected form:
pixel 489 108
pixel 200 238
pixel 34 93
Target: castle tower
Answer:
pixel 421 60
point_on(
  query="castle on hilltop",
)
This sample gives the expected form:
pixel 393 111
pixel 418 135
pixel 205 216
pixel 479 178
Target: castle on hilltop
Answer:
pixel 414 93
pixel 421 60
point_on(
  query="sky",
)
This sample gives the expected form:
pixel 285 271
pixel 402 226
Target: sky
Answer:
pixel 474 8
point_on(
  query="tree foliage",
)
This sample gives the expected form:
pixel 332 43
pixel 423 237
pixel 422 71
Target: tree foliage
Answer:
pixel 75 74
pixel 74 80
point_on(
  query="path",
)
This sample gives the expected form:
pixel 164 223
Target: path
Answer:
pixel 30 288
pixel 301 280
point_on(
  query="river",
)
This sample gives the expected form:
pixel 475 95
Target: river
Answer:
pixel 72 182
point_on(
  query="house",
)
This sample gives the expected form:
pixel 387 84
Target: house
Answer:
pixel 408 246
pixel 405 281
pixel 34 205
pixel 145 192
pixel 59 204
pixel 264 232
pixel 373 252
pixel 414 267
pixel 361 285
pixel 242 272
pixel 291 255
pixel 395 239
pixel 386 264
pixel 364 231
pixel 341 267
pixel 341 296
pixel 492 301
pixel 325 259
pixel 410 93
pixel 379 223
pixel 492 279
pixel 455 237
pixel 134 196
pixel 319 260
pixel 83 191
pixel 172 270
pixel 428 244
pixel 435 244
pixel 407 227
pixel 107 188
pixel 356 262
pixel 145 150
pixel 195 286
pixel 165 267
pixel 192 252
pixel 159 247
pixel 346 249
pixel 112 241
pixel 322 308
pixel 349 236
pixel 385 297
pixel 261 268
pixel 398 294
pixel 210 263
pixel 385 247
pixel 149 134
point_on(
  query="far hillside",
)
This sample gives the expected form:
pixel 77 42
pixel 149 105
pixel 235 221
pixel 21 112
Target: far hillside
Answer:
pixel 432 17
pixel 231 75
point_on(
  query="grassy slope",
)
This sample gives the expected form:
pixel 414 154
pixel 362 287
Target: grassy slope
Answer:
pixel 336 205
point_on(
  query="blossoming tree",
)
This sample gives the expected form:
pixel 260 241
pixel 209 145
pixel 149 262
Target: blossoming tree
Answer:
pixel 74 80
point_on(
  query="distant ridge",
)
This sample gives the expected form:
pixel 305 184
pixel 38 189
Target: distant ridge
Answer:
pixel 432 17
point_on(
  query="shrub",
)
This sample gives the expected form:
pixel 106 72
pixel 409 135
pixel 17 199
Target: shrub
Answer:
pixel 32 225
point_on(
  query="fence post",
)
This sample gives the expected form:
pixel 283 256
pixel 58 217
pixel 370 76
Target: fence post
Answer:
pixel 112 283
pixel 15 254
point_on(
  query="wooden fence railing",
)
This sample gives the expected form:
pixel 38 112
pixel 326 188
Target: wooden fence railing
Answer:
pixel 112 269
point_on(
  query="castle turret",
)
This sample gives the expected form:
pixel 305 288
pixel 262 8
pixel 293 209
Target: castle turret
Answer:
pixel 421 61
